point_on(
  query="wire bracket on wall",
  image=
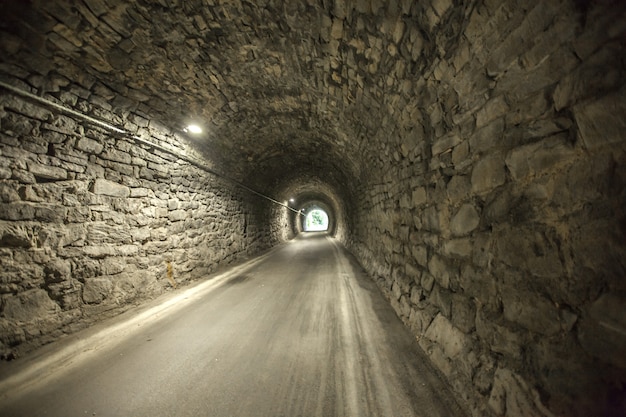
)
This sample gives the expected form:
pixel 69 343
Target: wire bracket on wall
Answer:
pixel 66 110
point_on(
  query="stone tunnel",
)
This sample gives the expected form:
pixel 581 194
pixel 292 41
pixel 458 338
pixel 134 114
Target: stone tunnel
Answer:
pixel 470 154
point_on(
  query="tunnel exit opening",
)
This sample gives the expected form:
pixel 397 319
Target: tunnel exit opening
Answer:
pixel 316 221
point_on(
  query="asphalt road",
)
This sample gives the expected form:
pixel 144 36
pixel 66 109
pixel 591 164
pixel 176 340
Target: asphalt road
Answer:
pixel 302 332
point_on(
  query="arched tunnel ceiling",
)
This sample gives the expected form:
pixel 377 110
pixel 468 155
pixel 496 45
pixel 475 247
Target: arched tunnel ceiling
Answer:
pixel 305 189
pixel 282 88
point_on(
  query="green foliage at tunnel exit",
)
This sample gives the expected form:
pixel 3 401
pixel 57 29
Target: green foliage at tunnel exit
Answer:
pixel 316 220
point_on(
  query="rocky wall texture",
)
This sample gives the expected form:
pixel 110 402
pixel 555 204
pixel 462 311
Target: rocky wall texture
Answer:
pixel 280 224
pixel 91 221
pixel 497 229
pixel 472 151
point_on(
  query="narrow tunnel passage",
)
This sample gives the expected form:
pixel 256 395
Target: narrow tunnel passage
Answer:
pixel 470 154
pixel 303 332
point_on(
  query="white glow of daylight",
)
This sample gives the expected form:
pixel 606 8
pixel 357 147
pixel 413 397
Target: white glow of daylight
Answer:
pixel 316 221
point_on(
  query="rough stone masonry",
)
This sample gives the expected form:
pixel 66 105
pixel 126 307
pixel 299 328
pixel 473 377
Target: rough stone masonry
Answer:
pixel 472 154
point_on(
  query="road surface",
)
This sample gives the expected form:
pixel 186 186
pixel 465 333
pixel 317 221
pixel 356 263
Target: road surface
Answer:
pixel 302 332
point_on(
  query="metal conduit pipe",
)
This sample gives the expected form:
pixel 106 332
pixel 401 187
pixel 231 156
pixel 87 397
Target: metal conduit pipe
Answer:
pixel 138 140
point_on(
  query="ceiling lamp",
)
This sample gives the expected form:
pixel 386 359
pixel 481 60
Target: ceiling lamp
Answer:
pixel 195 129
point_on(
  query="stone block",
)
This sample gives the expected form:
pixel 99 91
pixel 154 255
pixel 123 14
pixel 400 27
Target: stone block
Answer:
pixel 47 172
pixel 444 143
pixel 141 234
pixel 442 299
pixel 460 155
pixel 116 170
pixel 396 291
pixel 531 311
pixel 336 30
pixel 434 218
pixel 29 109
pixel 420 318
pixel 441 6
pixel 173 204
pixel 602 331
pixel 89 146
pixel 97 290
pixel 127 250
pixel 531 251
pixel 427 281
pixel 402 307
pixel 487 137
pixel 498 208
pixel 101 251
pixel 50 213
pixel 457 248
pixel 412 272
pixel 451 340
pixel 458 187
pixel 497 337
pixel 432 18
pixel 488 173
pixel 15 235
pixel 420 254
pixel 438 357
pixel 440 269
pixel 62 124
pixel 177 215
pixel 416 294
pixel 58 270
pixel 602 122
pixel 463 313
pixel 101 233
pixel 110 188
pixel 139 192
pixel 139 162
pixel 599 73
pixel 112 265
pixel 29 306
pixel 512 396
pixel 419 196
pixel 543 128
pixel 5 173
pixel 23 176
pixel 478 284
pixel 493 109
pixel 464 221
pixel 540 157
pixel 528 108
pixel 159 234
pixel 17 211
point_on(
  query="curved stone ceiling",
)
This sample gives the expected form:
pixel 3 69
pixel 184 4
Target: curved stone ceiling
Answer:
pixel 282 88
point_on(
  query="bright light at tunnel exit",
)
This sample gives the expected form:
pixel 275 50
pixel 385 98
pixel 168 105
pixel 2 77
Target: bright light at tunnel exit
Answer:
pixel 316 221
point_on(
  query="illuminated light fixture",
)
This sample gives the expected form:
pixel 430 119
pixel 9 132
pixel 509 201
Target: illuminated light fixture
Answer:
pixel 195 129
pixel 291 200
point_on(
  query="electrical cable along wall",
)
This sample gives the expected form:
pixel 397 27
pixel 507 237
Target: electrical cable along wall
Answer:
pixel 96 220
pixel 147 143
pixel 470 154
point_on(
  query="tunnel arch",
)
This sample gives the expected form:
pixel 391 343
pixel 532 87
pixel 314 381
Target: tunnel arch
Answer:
pixel 315 219
pixel 307 191
pixel 317 204
pixel 464 150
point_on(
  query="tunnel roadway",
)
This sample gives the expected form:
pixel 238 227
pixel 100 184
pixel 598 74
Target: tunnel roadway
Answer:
pixel 299 332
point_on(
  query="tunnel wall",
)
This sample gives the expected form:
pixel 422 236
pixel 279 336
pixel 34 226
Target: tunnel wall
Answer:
pixel 498 232
pixel 91 221
pixel 282 228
